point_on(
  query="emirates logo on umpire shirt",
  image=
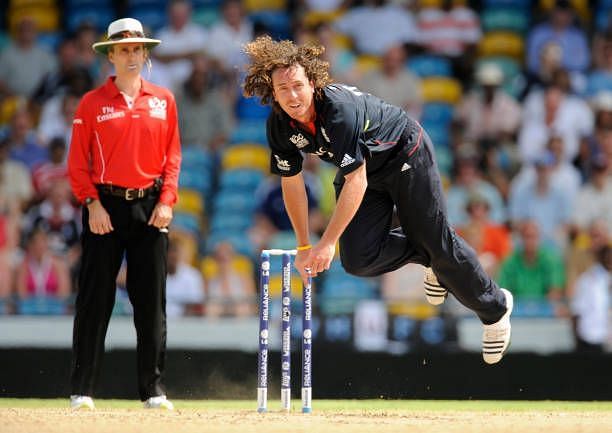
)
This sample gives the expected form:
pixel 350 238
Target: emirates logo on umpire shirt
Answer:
pixel 157 107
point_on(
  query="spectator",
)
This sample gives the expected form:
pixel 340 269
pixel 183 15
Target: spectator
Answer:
pixel 600 139
pixel 554 111
pixel 550 61
pixel 59 81
pixel 543 202
pixel 229 35
pixel 205 116
pixel 600 78
pixel 24 145
pixel 563 174
pixel 363 25
pixel 491 241
pixel 184 284
pixel 590 304
pixel 55 124
pixel 594 199
pixel 41 273
pixel 23 63
pixel 182 40
pixel 452 31
pixel 229 292
pixel 9 222
pixel 533 271
pixel 58 218
pixel 394 83
pixel 45 174
pixel 85 36
pixel 581 254
pixel 468 180
pixel 560 28
pixel 15 183
pixel 488 112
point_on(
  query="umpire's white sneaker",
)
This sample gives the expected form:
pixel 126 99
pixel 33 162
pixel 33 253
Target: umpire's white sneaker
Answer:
pixel 496 337
pixel 434 292
pixel 159 402
pixel 81 402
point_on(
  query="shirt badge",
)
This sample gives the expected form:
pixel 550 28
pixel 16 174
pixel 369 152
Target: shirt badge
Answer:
pixel 299 140
pixel 157 107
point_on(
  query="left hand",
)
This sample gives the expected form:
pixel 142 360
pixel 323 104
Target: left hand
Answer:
pixel 318 259
pixel 161 216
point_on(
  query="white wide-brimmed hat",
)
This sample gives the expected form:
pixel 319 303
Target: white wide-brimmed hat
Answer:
pixel 124 31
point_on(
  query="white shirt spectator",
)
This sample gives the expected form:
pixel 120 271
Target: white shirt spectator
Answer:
pixel 191 38
pixel 593 203
pixel 573 120
pixel 448 32
pixel 23 69
pixel 226 43
pixel 564 175
pixel 374 29
pixel 591 303
pixel 185 286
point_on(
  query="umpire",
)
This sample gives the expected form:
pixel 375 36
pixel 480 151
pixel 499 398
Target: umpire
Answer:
pixel 123 164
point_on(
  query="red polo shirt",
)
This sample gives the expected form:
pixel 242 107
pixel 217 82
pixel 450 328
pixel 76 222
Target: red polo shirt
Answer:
pixel 130 148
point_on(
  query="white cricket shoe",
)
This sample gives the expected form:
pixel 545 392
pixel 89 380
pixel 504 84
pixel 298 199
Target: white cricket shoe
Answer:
pixel 434 292
pixel 78 402
pixel 496 337
pixel 159 402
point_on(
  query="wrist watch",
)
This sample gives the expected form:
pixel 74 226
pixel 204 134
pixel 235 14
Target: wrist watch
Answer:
pixel 88 201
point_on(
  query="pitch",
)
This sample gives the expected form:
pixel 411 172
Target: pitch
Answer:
pixel 354 416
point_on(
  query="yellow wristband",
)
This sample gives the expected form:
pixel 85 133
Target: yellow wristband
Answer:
pixel 304 247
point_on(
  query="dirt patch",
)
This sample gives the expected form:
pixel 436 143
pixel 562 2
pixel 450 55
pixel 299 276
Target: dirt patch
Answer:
pixel 220 421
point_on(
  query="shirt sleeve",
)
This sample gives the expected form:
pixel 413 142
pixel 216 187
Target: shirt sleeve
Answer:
pixel 285 160
pixel 173 157
pixel 344 130
pixel 79 155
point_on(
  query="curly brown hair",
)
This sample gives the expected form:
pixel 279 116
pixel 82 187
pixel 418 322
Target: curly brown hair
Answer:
pixel 266 55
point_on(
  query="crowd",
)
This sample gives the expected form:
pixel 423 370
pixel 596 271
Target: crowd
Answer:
pixel 517 98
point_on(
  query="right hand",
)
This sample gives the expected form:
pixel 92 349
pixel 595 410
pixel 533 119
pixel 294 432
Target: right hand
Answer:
pixel 300 263
pixel 99 220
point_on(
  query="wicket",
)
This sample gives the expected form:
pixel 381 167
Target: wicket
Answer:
pixel 262 359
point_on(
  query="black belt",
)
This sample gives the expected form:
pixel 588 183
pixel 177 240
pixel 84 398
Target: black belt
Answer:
pixel 128 194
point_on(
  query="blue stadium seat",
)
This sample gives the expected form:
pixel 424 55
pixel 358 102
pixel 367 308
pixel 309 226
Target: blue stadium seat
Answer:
pixel 49 40
pixel 251 109
pixel 249 131
pixel 437 112
pixel 239 241
pixel 206 3
pixel 71 4
pixel 196 179
pixel 438 132
pixel 195 156
pixel 241 179
pixel 151 17
pixel 521 4
pixel 278 23
pixel 430 66
pixel 159 4
pixel 505 19
pixel 187 222
pixel 532 308
pixel 231 222
pixel 234 201
pixel 98 16
pixel 41 305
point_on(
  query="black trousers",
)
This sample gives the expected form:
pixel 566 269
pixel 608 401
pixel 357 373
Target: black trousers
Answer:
pixel 145 249
pixel 410 181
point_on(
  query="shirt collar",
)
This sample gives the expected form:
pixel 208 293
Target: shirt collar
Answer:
pixel 112 90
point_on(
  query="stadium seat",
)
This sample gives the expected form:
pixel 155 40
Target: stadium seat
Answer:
pixel 246 156
pixel 47 18
pixel 249 131
pixel 239 241
pixel 206 16
pixel 441 89
pixel 438 132
pixel 233 201
pixel 521 4
pixel 251 109
pixel 505 19
pixel 264 5
pixel 70 4
pixel 16 4
pixel 426 65
pixel 187 222
pixel 231 222
pixel 502 44
pixel 513 79
pixel 437 112
pixel 190 201
pixel 98 16
pixel 49 40
pixel 582 8
pixel 366 62
pixel 241 179
pixel 41 305
pixel 151 17
pixel 278 23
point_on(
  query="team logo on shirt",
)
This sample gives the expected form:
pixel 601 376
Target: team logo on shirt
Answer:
pixel 324 133
pixel 157 107
pixel 299 140
pixel 282 164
